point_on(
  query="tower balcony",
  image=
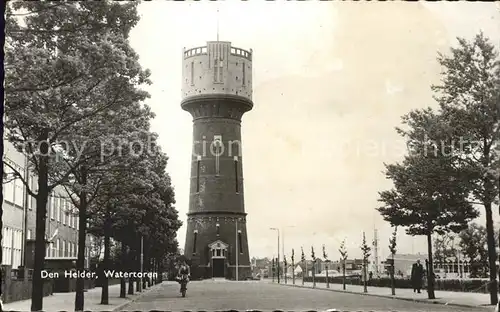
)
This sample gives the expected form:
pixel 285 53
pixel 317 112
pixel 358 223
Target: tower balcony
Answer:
pixel 217 68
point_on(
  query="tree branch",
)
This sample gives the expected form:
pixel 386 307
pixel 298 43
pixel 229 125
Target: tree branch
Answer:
pixel 18 175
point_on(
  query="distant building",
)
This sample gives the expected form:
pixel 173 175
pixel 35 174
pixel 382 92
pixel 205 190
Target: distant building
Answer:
pixel 19 216
pixel 351 265
pixel 403 263
pixel 261 266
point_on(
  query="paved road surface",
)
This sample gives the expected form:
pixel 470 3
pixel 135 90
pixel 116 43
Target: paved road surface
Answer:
pixel 225 295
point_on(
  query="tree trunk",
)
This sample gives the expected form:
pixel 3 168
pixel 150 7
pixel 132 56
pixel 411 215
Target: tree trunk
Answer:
pixel 160 271
pixel 138 266
pixel 157 277
pixel 365 287
pixel 131 264
pixel 40 241
pixel 430 270
pixel 144 264
pixel 123 262
pixel 314 273
pixel 293 272
pixel 492 254
pixel 497 255
pixel 304 273
pixel 80 262
pixel 327 280
pixel 393 286
pixel 343 274
pixel 152 270
pixel 107 247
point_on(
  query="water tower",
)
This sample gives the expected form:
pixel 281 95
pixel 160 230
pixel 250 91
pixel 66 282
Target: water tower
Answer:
pixel 217 91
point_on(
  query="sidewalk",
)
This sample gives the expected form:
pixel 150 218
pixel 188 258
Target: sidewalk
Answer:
pixel 451 298
pixel 66 301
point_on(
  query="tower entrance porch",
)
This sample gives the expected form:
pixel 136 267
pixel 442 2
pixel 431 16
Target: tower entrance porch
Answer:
pixel 218 253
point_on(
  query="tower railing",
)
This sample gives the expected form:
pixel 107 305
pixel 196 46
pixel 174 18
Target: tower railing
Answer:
pixel 203 50
pixel 195 51
pixel 241 52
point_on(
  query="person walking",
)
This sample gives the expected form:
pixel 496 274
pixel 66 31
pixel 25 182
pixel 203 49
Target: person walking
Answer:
pixel 417 275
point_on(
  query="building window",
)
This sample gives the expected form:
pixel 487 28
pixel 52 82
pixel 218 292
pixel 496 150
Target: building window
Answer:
pixel 218 65
pixel 6 246
pixel 29 234
pixel 192 73
pixel 56 208
pixel 198 165
pixel 51 206
pixel 70 217
pixel 243 69
pixel 240 242
pixel 236 174
pixel 218 229
pixel 64 205
pixel 218 152
pixel 19 193
pixel 218 253
pixel 28 201
pixel 8 187
pixel 61 211
pixel 194 241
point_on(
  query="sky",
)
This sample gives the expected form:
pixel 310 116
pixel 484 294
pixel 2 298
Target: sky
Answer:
pixel 331 81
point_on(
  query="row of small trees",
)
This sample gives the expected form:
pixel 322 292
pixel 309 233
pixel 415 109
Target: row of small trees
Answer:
pixel 365 249
pixel 75 107
pixel 453 159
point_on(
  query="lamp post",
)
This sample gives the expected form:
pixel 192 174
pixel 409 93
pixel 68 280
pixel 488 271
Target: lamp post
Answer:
pixel 283 246
pixel 278 259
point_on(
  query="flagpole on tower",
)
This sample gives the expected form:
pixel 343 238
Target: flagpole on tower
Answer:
pixel 217 25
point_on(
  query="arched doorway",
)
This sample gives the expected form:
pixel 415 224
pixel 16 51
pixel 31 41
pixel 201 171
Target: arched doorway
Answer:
pixel 218 254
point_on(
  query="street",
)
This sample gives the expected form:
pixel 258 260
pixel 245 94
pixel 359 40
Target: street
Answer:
pixel 257 295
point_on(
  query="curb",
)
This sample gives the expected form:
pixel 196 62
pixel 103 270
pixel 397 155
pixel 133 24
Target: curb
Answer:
pixel 428 301
pixel 144 292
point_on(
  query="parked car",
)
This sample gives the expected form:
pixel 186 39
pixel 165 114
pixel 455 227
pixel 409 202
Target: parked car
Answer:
pixel 331 273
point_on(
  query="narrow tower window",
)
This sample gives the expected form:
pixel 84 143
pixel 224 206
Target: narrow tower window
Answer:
pixel 236 183
pixel 218 64
pixel 198 165
pixel 243 69
pixel 218 229
pixel 240 246
pixel 192 73
pixel 217 152
pixel 194 241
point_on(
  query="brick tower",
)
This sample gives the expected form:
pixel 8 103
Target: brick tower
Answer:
pixel 217 91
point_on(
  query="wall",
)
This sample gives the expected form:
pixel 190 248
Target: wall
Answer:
pixel 199 66
pixel 216 193
pixel 14 289
pixel 13 203
pixel 207 233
